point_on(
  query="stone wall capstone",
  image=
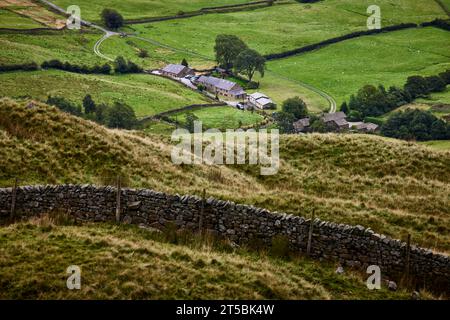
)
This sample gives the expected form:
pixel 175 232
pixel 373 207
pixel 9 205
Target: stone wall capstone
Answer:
pixel 354 246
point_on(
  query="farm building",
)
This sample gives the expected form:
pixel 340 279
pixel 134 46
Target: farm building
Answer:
pixel 302 125
pixel 222 87
pixel 367 127
pixel 177 71
pixel 336 121
pixel 261 101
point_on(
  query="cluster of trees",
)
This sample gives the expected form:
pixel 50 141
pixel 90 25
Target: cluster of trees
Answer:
pixel 31 66
pixel 414 124
pixel 120 66
pixel 119 115
pixel 292 110
pixel 375 101
pixel 233 53
pixel 123 66
pixel 67 66
pixel 111 18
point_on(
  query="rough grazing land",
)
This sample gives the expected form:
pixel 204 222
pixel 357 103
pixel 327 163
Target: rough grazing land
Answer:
pixel 352 245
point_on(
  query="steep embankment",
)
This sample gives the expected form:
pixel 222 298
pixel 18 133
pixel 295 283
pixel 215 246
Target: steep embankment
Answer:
pixel 391 186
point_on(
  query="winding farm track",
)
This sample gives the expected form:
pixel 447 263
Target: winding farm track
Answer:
pixel 108 34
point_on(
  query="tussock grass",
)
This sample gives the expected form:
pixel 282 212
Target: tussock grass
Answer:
pixel 392 186
pixel 125 262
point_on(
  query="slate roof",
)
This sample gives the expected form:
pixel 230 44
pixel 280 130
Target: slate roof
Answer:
pixel 327 117
pixel 264 101
pixel 218 83
pixel 174 68
pixel 341 122
pixel 258 95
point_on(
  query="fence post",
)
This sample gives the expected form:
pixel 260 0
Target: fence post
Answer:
pixel 408 254
pixel 202 212
pixel 308 247
pixel 13 198
pixel 119 191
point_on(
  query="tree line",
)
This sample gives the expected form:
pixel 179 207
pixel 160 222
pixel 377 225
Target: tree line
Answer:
pixel 372 101
pixel 120 65
pixel 119 115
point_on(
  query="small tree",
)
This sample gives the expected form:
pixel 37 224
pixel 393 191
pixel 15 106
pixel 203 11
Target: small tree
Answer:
pixel 184 62
pixel 285 122
pixel 296 107
pixel 111 18
pixel 88 104
pixel 120 65
pixel 121 116
pixel 227 48
pixel 344 108
pixel 142 53
pixel 190 119
pixel 248 62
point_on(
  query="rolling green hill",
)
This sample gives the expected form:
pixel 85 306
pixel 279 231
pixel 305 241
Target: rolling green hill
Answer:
pixel 146 94
pixel 394 187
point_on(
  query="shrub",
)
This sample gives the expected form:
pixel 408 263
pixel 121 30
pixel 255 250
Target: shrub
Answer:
pixel 31 66
pixel 111 18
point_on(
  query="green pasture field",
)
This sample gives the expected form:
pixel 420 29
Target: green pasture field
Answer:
pixel 438 144
pixel 133 9
pixel 343 68
pixel 146 94
pixel 284 27
pixel 437 98
pixel 13 20
pixel 72 46
pixel 221 117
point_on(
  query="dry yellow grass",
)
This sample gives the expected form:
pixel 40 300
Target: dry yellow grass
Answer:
pixel 392 186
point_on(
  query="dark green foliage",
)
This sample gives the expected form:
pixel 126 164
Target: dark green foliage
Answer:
pixel 296 107
pixel 190 119
pixel 111 18
pixel 67 66
pixel 184 62
pixel 31 66
pixel 142 53
pixel 344 108
pixel 248 62
pixel 375 101
pixel 227 49
pixel 123 66
pixel 416 125
pixel 285 122
pixel 120 116
pixel 64 105
pixel 317 124
pixel 88 104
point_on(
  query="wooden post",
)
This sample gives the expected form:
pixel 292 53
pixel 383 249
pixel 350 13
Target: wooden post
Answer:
pixel 13 198
pixel 408 254
pixel 119 191
pixel 202 212
pixel 308 247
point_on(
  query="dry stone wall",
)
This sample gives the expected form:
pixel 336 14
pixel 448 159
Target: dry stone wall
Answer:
pixel 351 245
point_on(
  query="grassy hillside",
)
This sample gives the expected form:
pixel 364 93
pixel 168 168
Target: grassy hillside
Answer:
pixel 9 19
pixel 143 8
pixel 125 262
pixel 392 186
pixel 284 27
pixel 443 145
pixel 386 59
pixel 71 46
pixel 147 94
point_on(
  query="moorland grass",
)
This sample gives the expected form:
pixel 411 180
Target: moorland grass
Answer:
pixel 146 94
pixel 125 262
pixel 392 186
pixel 9 19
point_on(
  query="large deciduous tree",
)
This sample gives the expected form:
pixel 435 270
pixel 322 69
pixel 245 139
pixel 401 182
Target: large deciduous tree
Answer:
pixel 227 48
pixel 112 19
pixel 248 62
pixel 296 107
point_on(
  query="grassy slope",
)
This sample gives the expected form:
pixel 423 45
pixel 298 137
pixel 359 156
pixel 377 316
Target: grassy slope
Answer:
pixel 285 27
pixel 222 117
pixel 437 98
pixel 145 93
pixel 124 262
pixel 386 59
pixel 71 46
pixel 9 19
pixel 443 145
pixel 132 9
pixel 392 186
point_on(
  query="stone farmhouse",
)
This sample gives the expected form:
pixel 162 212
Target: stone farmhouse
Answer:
pixel 177 71
pixel 336 121
pixel 222 87
pixel 261 101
